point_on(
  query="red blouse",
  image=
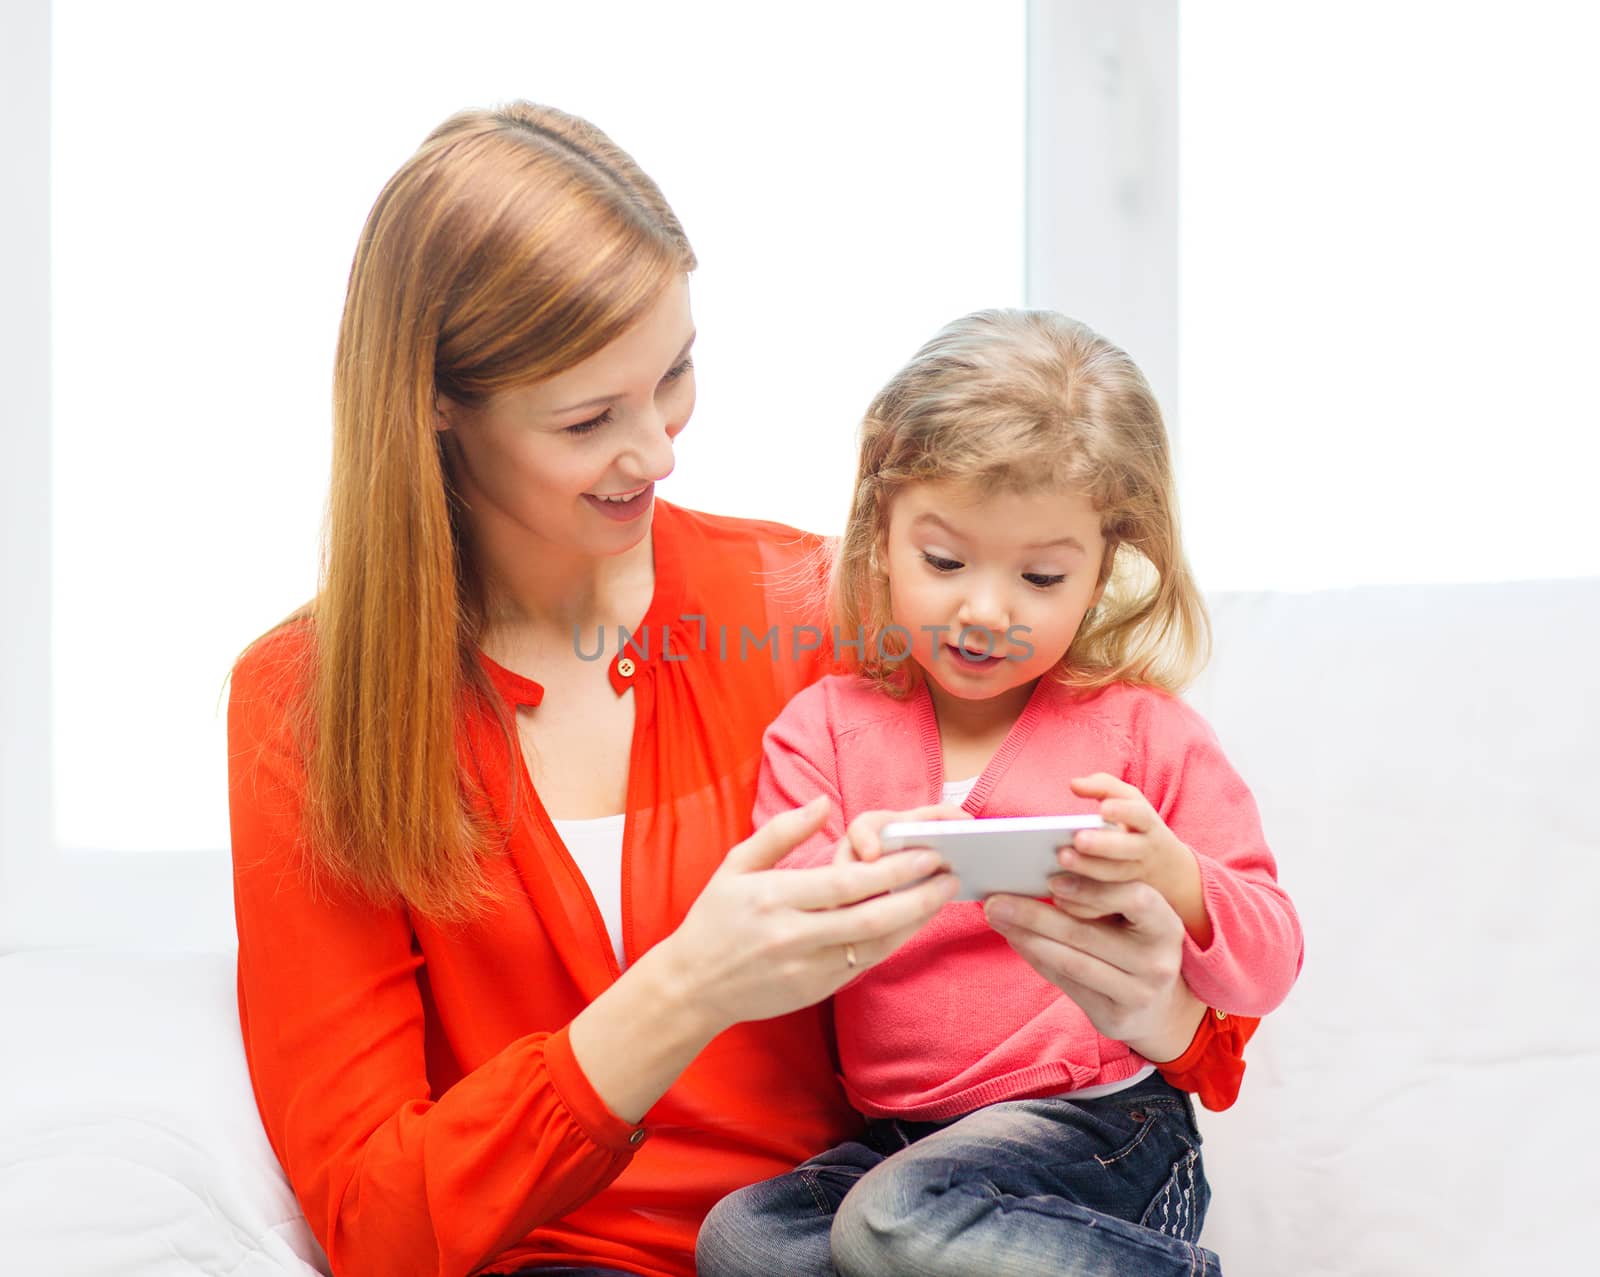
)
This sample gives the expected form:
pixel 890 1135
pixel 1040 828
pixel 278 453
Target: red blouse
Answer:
pixel 416 1080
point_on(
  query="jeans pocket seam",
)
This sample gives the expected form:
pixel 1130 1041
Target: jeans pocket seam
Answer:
pixel 1127 1149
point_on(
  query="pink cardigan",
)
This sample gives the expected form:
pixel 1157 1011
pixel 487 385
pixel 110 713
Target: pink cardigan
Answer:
pixel 955 1019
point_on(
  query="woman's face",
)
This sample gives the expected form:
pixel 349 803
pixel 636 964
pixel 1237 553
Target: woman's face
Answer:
pixel 572 461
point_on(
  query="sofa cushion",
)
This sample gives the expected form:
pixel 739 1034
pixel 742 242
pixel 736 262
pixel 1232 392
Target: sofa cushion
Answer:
pixel 129 1140
pixel 1425 760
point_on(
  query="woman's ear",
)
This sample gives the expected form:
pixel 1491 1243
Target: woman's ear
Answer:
pixel 442 410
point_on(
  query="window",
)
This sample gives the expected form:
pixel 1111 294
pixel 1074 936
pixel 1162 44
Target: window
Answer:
pixel 1388 273
pixel 209 171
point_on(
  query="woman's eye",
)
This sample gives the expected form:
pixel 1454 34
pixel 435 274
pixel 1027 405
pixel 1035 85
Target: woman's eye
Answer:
pixel 939 564
pixel 1044 579
pixel 594 423
pixel 674 373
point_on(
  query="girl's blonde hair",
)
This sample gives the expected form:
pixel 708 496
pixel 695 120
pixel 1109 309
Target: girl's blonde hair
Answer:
pixel 1025 400
pixel 514 244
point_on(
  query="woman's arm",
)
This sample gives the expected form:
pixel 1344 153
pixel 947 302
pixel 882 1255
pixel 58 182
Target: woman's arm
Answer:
pixel 1116 949
pixel 758 942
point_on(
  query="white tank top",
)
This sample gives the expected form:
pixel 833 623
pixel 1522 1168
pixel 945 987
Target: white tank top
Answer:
pixel 596 848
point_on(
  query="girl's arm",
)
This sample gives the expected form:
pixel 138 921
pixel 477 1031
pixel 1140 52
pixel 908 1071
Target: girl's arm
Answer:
pixel 1189 827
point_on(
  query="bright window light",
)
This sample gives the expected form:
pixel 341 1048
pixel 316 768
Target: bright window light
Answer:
pixel 851 177
pixel 1389 267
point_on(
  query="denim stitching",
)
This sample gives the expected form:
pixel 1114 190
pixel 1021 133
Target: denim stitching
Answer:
pixel 1181 1230
pixel 1193 1195
pixel 1137 1140
pixel 809 1179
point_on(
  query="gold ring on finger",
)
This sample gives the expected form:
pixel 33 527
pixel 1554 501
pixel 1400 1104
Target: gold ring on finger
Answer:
pixel 850 956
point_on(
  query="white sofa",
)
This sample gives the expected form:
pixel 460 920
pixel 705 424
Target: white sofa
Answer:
pixel 1425 761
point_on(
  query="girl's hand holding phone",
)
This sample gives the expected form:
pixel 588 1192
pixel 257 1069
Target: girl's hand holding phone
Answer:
pixel 861 840
pixel 1140 849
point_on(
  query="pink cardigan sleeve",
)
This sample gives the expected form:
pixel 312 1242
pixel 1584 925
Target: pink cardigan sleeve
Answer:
pixel 797 764
pixel 1256 946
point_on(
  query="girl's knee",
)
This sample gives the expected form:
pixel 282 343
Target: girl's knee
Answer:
pixel 728 1236
pixel 885 1227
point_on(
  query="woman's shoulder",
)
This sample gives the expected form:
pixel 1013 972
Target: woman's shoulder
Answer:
pixel 728 531
pixel 744 568
pixel 278 663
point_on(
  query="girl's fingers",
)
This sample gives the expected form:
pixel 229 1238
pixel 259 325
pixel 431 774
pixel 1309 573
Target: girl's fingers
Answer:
pixel 1134 814
pixel 865 829
pixel 1102 785
pixel 1103 868
pixel 1111 844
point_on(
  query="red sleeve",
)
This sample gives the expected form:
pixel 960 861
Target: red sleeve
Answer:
pixel 392 1179
pixel 1213 1065
pixel 797 764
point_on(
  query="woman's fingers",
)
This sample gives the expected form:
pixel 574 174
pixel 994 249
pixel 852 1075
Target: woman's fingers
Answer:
pixel 1147 950
pixel 849 882
pixel 875 928
pixel 778 837
pixel 1146 913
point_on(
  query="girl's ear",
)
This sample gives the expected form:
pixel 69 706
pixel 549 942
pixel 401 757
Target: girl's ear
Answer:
pixel 878 558
pixel 442 408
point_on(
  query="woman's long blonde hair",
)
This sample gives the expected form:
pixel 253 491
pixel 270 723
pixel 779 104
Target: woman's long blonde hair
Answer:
pixel 1024 400
pixel 515 243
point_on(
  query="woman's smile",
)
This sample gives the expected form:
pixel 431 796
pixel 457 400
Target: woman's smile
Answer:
pixel 623 506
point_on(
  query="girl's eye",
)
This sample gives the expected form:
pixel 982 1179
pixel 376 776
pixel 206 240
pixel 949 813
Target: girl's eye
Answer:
pixel 1044 580
pixel 585 427
pixel 674 373
pixel 939 564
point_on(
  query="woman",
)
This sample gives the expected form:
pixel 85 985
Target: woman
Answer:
pixel 470 1051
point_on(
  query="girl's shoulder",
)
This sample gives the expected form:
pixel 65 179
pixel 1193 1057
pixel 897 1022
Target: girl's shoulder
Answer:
pixel 840 704
pixel 1141 714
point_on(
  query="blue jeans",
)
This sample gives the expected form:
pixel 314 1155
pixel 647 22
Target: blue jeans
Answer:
pixel 564 1272
pixel 1111 1187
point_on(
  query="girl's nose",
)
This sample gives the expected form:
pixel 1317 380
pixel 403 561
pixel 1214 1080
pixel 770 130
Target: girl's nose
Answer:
pixel 984 610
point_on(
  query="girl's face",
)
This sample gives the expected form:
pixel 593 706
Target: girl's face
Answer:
pixel 992 586
pixel 572 461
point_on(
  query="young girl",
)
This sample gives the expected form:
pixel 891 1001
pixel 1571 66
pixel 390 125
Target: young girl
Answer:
pixel 1013 574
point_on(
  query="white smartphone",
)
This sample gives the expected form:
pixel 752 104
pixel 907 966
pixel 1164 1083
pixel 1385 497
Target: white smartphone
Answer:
pixel 1014 854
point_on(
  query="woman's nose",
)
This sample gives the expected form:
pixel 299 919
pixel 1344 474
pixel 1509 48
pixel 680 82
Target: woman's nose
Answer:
pixel 651 446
